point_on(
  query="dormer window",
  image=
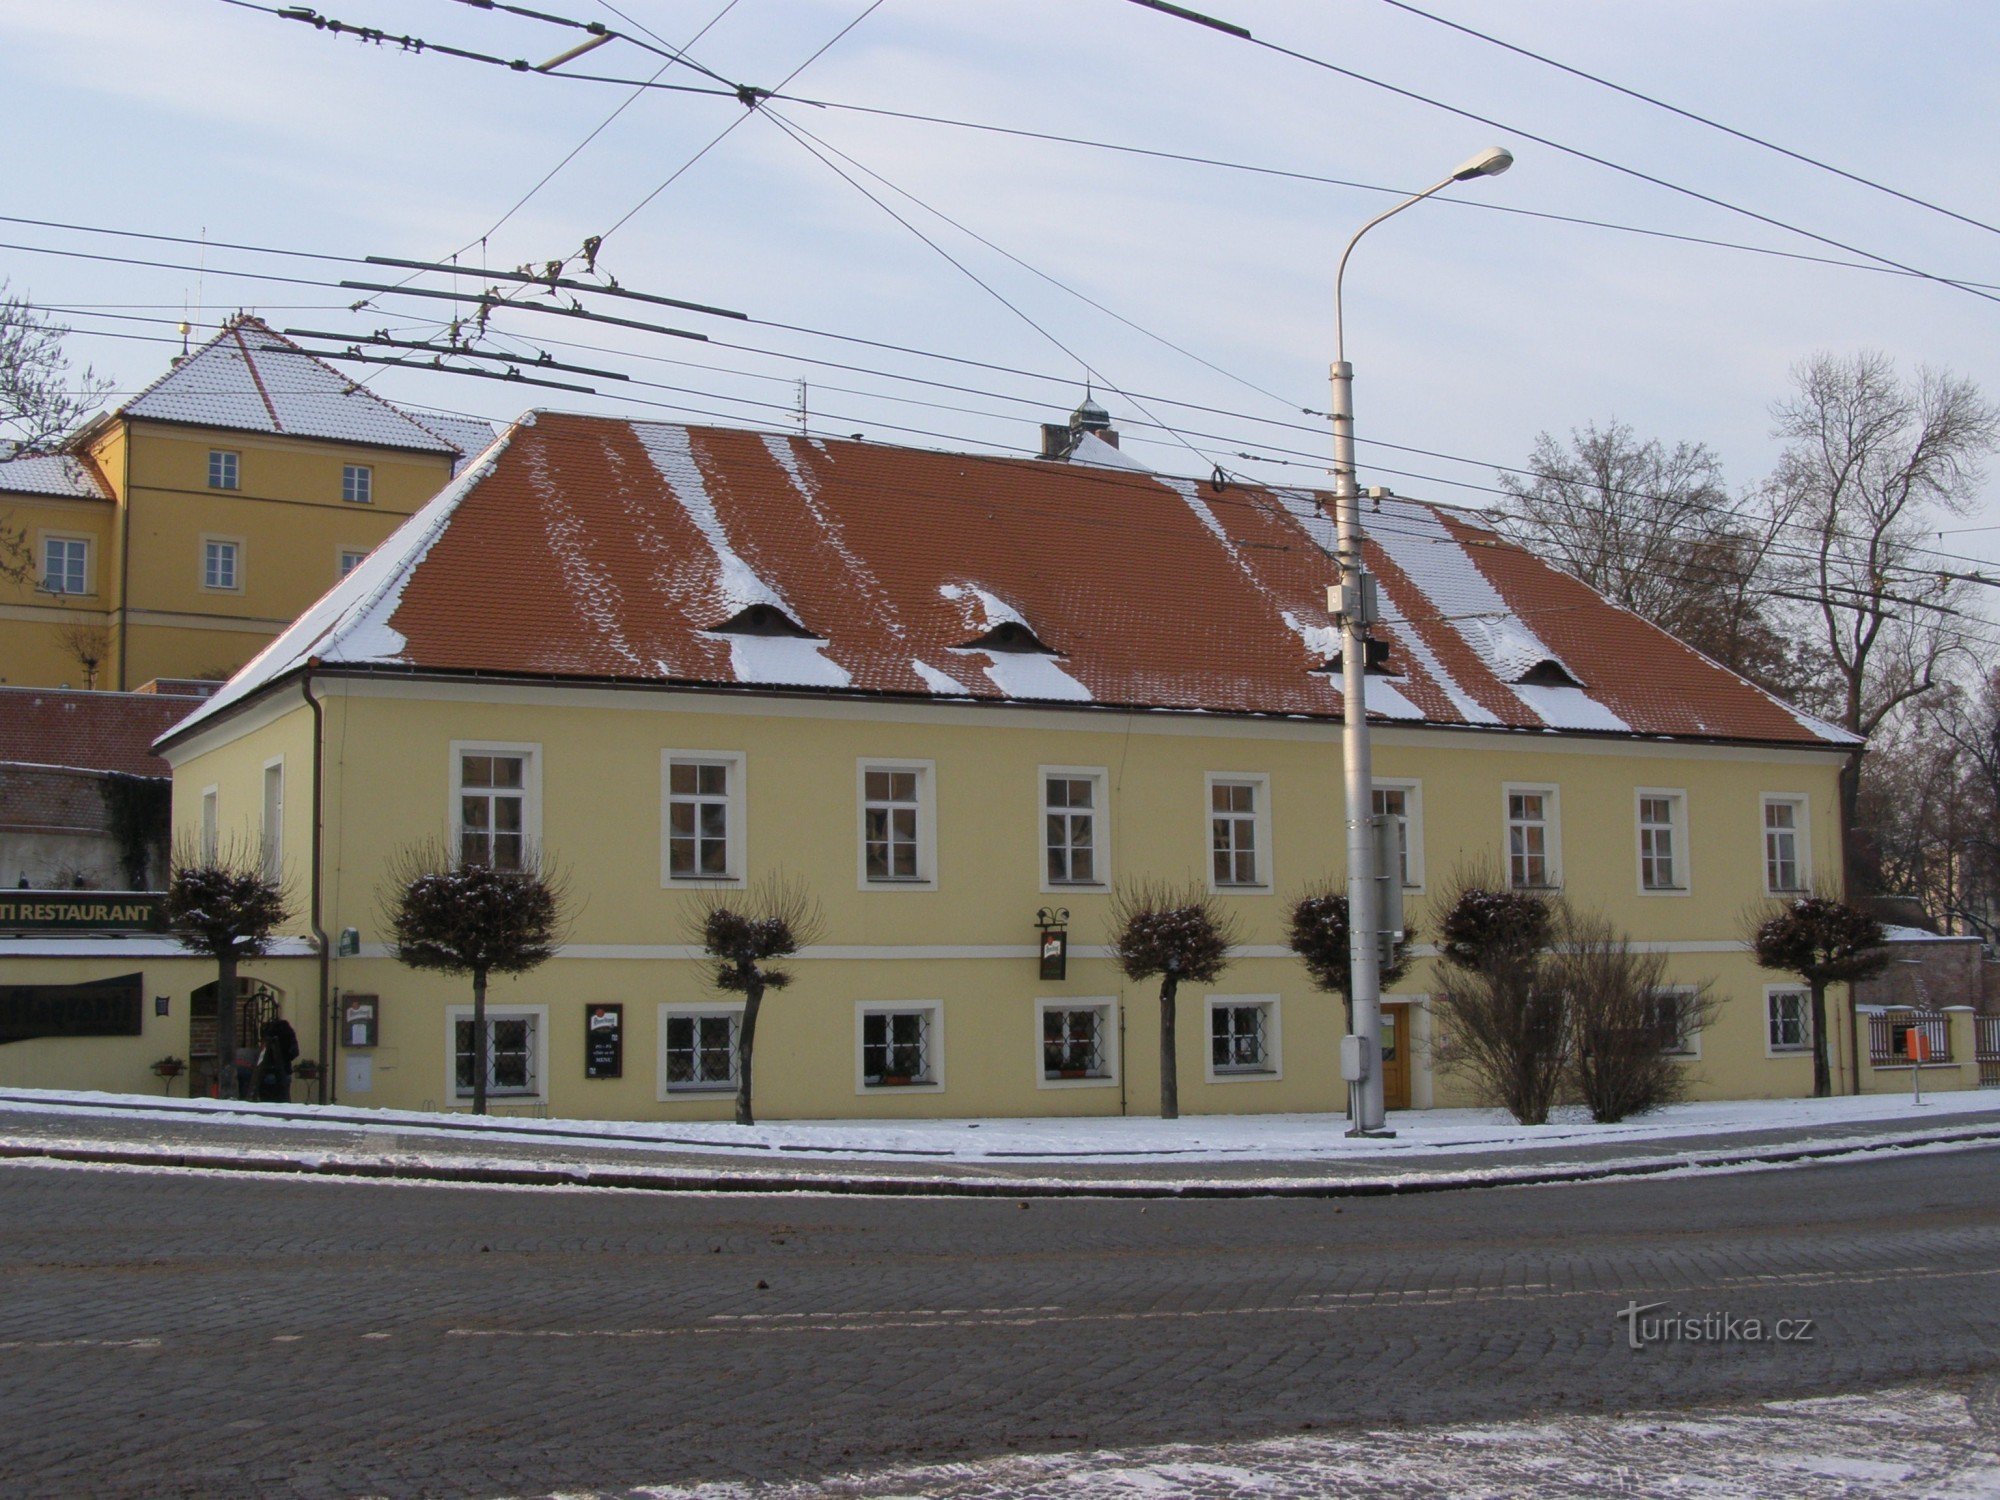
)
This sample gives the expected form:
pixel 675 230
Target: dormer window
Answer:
pixel 765 620
pixel 1548 672
pixel 1009 635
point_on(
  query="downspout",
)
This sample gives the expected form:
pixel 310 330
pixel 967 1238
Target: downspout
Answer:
pixel 319 932
pixel 125 560
pixel 1846 837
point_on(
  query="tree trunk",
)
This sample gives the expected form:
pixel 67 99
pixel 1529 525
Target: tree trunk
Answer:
pixel 1822 1072
pixel 1170 1084
pixel 746 1041
pixel 225 1025
pixel 480 1049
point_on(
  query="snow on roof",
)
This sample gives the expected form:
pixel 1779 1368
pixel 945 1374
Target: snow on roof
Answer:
pixel 255 380
pixel 1092 449
pixel 594 547
pixel 470 436
pixel 50 474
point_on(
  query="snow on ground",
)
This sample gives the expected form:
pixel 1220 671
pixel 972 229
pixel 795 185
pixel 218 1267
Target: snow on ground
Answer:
pixel 1916 1440
pixel 1427 1134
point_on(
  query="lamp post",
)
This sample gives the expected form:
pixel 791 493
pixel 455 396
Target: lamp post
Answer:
pixel 1357 612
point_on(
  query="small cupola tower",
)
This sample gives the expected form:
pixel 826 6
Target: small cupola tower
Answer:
pixel 1060 439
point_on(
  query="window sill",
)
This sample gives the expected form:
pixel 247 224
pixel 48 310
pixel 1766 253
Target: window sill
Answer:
pixel 898 1083
pixel 1663 890
pixel 676 1090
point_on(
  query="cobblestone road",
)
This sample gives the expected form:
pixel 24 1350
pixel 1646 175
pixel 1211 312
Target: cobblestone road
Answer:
pixel 168 1333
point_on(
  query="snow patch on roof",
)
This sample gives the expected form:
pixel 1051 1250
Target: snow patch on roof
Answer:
pixel 940 682
pixel 1569 708
pixel 1186 489
pixel 784 661
pixel 981 609
pixel 1093 451
pixel 1032 676
pixel 1320 641
pixel 1386 699
pixel 1826 731
pixel 672 453
pixel 860 577
pixel 49 474
pixel 598 600
pixel 350 622
pixel 1469 708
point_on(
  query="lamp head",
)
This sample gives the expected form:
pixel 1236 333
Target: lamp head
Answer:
pixel 1489 163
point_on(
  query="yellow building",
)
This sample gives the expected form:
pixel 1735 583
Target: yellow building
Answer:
pixel 949 693
pixel 177 535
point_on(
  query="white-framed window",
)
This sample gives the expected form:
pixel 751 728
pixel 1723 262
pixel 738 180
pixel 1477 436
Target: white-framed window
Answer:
pixel 702 794
pixel 1534 837
pixel 898 832
pixel 1662 841
pixel 357 484
pixel 349 559
pixel 66 564
pixel 1673 1018
pixel 211 823
pixel 1076 1042
pixel 1788 1019
pixel 1404 801
pixel 698 1048
pixel 222 469
pixel 1243 1038
pixel 1239 831
pixel 271 847
pixel 221 564
pixel 496 793
pixel 517 1059
pixel 1076 843
pixel 898 1045
pixel 1787 850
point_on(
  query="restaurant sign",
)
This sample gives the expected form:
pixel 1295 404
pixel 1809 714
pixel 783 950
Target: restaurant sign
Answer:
pixel 79 911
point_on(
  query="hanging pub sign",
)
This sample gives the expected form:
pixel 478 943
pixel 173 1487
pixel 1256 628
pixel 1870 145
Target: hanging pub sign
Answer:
pixel 79 911
pixel 604 1041
pixel 1054 928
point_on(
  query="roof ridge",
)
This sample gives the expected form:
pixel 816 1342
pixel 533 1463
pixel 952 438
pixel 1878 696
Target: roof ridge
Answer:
pixel 235 331
pixel 354 387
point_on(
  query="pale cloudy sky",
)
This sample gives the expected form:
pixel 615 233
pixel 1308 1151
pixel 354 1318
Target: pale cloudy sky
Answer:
pixel 1470 330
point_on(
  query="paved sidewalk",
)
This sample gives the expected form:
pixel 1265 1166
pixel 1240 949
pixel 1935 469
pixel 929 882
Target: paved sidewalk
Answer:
pixel 136 1131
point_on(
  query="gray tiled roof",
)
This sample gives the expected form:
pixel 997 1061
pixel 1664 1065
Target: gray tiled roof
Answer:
pixel 55 474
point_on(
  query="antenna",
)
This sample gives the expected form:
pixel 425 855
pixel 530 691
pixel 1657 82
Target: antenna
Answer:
pixel 802 408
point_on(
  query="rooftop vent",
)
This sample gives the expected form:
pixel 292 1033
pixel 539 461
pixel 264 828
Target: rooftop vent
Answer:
pixel 1009 635
pixel 764 619
pixel 1548 672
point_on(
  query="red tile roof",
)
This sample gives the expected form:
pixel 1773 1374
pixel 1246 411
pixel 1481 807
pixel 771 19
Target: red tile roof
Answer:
pixel 591 547
pixel 88 731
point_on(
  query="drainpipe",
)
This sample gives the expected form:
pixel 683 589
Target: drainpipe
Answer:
pixel 319 932
pixel 125 562
pixel 1846 837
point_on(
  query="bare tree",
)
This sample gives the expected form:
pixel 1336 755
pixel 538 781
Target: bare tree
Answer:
pixel 223 905
pixel 87 645
pixel 1500 999
pixel 1628 1023
pixel 1319 933
pixel 1870 462
pixel 1823 941
pixel 1654 529
pixel 1176 933
pixel 475 919
pixel 744 936
pixel 41 399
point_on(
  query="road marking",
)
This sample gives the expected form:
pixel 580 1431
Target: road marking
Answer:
pixel 82 1344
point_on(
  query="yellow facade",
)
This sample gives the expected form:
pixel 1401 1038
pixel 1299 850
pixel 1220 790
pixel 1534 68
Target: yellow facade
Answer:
pixel 960 946
pixel 166 609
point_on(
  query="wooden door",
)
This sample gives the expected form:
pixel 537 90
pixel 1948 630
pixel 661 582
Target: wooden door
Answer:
pixel 1395 1057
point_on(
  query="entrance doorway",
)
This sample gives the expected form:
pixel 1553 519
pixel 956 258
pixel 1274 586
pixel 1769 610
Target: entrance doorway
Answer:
pixel 1395 1056
pixel 256 1003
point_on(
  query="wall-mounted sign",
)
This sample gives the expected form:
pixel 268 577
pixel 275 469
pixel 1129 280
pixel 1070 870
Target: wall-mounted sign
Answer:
pixel 1055 954
pixel 604 1041
pixel 79 911
pixel 98 1007
pixel 360 1021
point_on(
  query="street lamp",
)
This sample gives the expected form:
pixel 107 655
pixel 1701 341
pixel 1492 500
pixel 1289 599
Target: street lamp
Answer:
pixel 1357 612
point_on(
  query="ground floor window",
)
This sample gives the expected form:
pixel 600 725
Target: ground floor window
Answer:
pixel 1675 1022
pixel 511 1045
pixel 1790 1016
pixel 898 1048
pixel 1239 1037
pixel 1074 1042
pixel 701 1050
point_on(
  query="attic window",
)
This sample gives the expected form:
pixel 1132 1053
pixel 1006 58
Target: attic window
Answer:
pixel 1375 663
pixel 1548 672
pixel 764 619
pixel 1009 635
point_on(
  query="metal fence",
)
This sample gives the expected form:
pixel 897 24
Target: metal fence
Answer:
pixel 1889 1036
pixel 1986 1046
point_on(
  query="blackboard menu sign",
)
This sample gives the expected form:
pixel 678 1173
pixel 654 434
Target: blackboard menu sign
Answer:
pixel 604 1041
pixel 97 1007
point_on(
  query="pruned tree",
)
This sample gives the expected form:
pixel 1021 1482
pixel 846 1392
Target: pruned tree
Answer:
pixel 87 645
pixel 41 399
pixel 1627 1021
pixel 744 935
pixel 1871 461
pixel 1499 998
pixel 474 919
pixel 1823 941
pixel 1654 529
pixel 1319 931
pixel 223 905
pixel 1174 933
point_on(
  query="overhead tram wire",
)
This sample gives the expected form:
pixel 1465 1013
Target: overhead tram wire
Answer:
pixel 1691 115
pixel 1578 152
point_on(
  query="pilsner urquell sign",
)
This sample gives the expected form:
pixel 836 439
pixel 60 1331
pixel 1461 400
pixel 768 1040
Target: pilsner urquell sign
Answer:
pixel 79 911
